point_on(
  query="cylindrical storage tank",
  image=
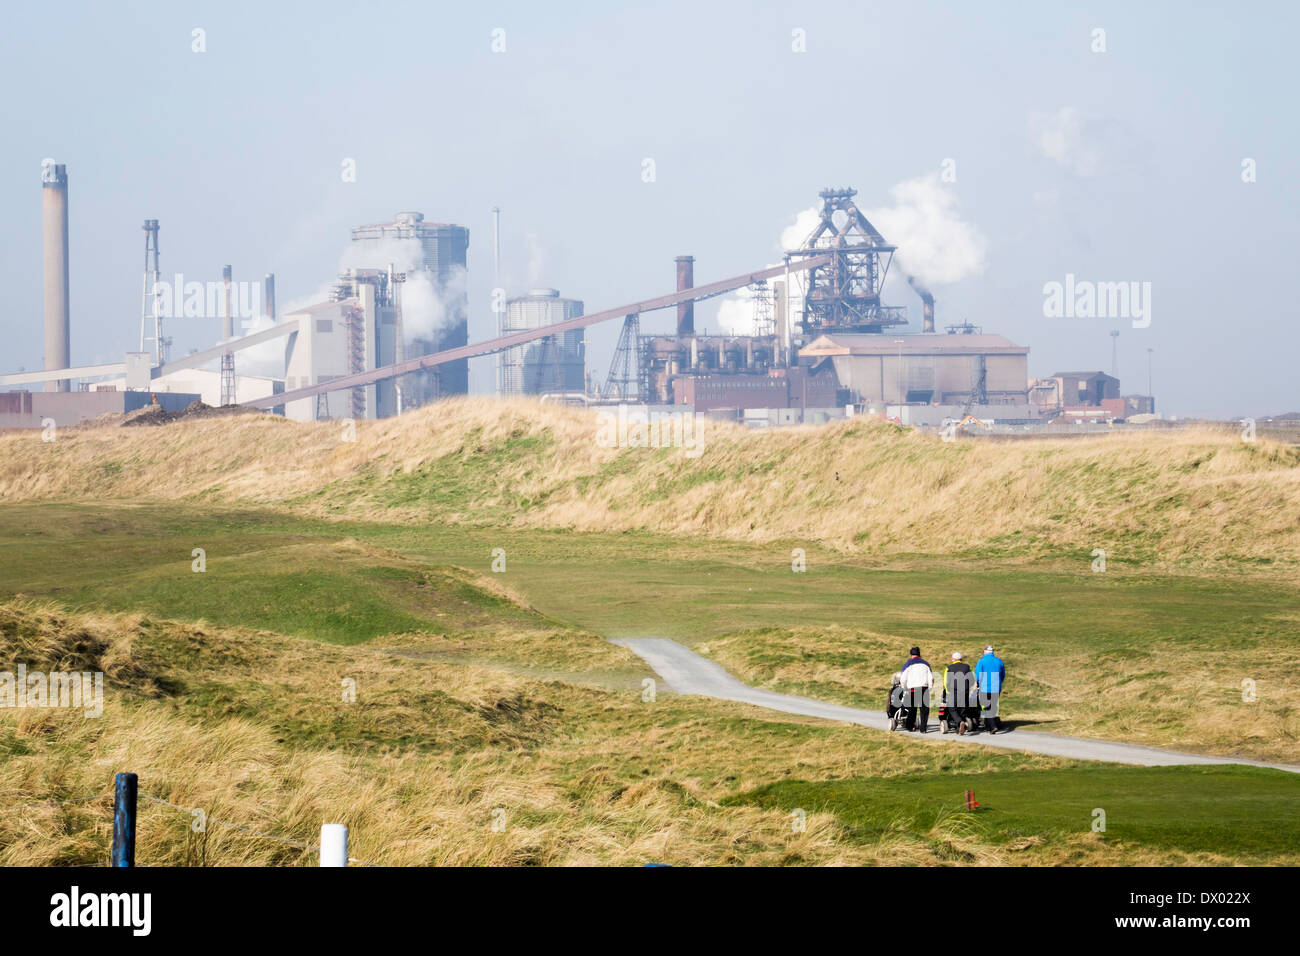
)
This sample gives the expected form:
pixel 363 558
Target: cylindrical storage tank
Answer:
pixel 54 220
pixel 531 369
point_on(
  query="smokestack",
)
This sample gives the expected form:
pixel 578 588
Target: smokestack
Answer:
pixel 496 247
pixel 227 326
pixel 927 305
pixel 781 352
pixel 54 218
pixel 685 280
pixel 268 296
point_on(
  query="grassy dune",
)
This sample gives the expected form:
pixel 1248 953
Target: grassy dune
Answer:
pixel 1183 499
pixel 251 727
pixel 328 559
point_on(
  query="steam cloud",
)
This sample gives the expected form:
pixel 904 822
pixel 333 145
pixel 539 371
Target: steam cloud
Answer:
pixel 427 304
pixel 935 245
pixel 1069 139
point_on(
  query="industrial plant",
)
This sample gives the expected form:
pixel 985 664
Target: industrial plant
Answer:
pixel 392 335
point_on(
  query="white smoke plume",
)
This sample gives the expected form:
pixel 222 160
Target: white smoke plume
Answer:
pixel 1069 139
pixel 427 304
pixel 536 258
pixel 934 243
pixel 796 234
pixel 736 312
pixel 736 315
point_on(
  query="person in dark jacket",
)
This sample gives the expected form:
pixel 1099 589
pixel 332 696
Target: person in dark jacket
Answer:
pixel 895 703
pixel 959 698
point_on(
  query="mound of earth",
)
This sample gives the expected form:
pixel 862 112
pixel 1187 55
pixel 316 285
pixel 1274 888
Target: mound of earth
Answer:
pixel 157 415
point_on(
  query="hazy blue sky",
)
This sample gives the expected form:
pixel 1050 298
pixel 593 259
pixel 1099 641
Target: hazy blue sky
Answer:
pixel 1122 165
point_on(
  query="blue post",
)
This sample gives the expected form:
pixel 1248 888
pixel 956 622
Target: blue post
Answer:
pixel 124 793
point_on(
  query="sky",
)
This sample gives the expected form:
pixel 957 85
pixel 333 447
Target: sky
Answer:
pixel 1162 150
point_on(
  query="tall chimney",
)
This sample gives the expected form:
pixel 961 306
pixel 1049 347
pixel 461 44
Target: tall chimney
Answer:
pixel 685 280
pixel 496 267
pixel 268 296
pixel 54 218
pixel 227 324
pixel 781 354
pixel 927 304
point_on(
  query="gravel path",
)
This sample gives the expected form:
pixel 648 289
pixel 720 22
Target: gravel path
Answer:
pixel 686 672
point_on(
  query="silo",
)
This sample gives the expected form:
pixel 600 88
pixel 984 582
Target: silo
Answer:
pixel 537 368
pixel 441 254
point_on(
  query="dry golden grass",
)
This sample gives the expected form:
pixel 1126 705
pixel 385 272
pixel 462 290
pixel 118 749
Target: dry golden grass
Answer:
pixel 1170 498
pixel 584 776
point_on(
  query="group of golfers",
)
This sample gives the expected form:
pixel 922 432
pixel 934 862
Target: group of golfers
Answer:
pixel 970 697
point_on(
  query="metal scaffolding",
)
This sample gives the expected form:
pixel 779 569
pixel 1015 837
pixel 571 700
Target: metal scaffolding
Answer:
pixel 844 294
pixel 624 378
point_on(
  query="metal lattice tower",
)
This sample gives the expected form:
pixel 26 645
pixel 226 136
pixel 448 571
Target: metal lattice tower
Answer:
pixel 762 297
pixel 624 378
pixel 844 295
pixel 150 313
pixel 228 378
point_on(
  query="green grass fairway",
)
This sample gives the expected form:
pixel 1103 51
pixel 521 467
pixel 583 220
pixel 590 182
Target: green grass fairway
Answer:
pixel 617 585
pixel 1241 812
pixel 1058 629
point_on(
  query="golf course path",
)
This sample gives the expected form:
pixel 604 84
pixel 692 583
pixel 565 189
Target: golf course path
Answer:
pixel 688 673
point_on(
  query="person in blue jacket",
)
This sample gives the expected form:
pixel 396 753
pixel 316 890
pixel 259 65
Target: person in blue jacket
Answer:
pixel 991 677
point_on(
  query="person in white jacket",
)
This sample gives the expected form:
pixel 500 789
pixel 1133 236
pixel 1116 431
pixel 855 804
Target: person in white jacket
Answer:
pixel 918 685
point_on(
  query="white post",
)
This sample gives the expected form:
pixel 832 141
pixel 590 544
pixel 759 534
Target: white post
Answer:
pixel 333 844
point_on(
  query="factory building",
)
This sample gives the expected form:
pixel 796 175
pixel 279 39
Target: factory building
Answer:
pixel 443 254
pixel 203 383
pixel 668 362
pixel 927 369
pixel 24 409
pixel 549 365
pixel 356 331
pixel 1086 397
pixel 800 387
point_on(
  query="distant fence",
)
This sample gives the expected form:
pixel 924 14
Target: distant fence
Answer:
pixel 332 848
